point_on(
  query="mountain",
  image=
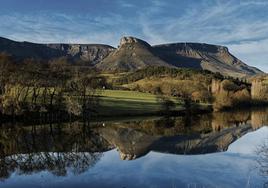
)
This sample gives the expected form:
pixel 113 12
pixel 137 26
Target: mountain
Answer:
pixel 92 53
pixel 133 54
pixel 205 56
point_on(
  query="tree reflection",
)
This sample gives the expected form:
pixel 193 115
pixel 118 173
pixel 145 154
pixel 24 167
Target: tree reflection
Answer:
pixel 56 163
pixel 57 148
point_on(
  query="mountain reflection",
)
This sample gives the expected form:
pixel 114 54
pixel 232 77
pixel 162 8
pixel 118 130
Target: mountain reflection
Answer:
pixel 195 135
pixel 75 147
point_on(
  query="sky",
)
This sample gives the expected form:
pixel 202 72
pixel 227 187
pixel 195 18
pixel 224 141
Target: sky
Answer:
pixel 241 25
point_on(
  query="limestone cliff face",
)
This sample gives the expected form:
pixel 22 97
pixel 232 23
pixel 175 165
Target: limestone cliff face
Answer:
pixel 216 86
pixel 259 89
pixel 228 94
pixel 93 53
pixel 131 41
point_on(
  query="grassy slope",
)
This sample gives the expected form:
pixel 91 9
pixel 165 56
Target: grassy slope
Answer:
pixel 118 102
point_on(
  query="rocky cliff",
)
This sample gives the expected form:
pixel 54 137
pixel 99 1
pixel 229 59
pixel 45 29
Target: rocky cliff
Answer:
pixel 259 89
pixel 228 94
pixel 93 53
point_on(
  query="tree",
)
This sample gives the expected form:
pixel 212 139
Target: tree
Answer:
pixel 6 67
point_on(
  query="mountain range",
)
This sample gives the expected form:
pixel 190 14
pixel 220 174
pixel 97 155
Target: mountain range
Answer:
pixel 133 53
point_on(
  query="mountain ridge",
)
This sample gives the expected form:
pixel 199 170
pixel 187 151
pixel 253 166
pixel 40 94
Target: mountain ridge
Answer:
pixel 133 53
pixel 215 58
pixel 93 53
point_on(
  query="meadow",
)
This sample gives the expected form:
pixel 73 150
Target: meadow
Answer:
pixel 120 102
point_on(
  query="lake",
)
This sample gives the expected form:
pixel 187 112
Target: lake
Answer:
pixel 224 149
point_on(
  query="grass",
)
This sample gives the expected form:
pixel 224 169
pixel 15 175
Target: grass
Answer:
pixel 118 102
pixel 114 103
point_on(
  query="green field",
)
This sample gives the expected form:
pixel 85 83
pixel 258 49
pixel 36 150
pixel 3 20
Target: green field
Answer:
pixel 118 102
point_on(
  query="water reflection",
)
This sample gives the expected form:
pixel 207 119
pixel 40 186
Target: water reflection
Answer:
pixel 76 148
pixel 54 148
pixel 262 159
pixel 205 133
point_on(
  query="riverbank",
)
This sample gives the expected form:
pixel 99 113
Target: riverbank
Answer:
pixel 120 104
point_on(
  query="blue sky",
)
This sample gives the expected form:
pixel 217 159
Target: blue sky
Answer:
pixel 242 26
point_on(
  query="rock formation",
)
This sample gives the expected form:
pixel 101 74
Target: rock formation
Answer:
pixel 259 89
pixel 93 53
pixel 228 94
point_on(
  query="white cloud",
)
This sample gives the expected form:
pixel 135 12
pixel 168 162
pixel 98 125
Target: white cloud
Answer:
pixel 255 53
pixel 255 3
pixel 50 28
pixel 126 4
pixel 227 23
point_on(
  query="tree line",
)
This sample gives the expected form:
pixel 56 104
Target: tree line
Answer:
pixel 53 88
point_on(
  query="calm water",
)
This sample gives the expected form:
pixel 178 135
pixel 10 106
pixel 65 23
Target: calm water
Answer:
pixel 217 150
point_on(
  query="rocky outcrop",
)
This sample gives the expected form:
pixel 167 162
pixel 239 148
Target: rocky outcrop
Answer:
pixel 259 89
pixel 228 94
pixel 216 86
pixel 93 53
pixel 132 40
